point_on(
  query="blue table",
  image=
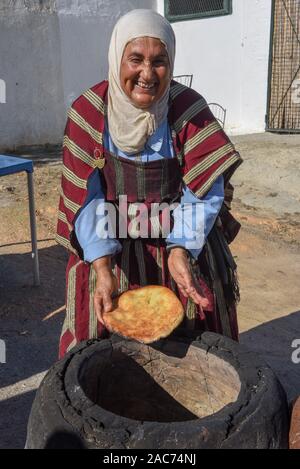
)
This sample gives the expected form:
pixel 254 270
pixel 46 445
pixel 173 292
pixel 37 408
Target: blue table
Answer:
pixel 12 165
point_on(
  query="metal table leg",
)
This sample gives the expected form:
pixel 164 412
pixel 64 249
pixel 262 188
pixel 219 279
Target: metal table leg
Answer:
pixel 33 229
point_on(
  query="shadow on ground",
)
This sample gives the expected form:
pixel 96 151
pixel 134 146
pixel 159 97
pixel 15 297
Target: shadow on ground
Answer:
pixel 14 417
pixel 273 341
pixel 32 344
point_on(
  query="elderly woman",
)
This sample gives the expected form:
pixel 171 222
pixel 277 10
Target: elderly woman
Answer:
pixel 142 139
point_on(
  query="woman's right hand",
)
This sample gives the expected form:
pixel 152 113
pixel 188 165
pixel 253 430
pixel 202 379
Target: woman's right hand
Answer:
pixel 106 285
pixel 180 270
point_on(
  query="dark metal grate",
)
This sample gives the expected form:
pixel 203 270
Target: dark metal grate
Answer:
pixel 284 77
pixel 178 10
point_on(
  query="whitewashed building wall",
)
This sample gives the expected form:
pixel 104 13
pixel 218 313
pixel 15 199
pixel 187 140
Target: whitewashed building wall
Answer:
pixel 51 51
pixel 229 56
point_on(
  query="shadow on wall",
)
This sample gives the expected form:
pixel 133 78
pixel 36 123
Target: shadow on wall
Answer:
pixel 273 341
pixel 40 154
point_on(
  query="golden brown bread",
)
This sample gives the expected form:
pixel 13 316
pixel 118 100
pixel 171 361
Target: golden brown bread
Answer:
pixel 145 314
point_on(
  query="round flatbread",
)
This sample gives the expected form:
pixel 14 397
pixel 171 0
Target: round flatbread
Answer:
pixel 145 314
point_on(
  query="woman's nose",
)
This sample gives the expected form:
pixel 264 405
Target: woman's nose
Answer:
pixel 147 70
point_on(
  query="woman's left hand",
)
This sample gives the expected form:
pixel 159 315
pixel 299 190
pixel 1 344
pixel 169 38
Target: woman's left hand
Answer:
pixel 179 268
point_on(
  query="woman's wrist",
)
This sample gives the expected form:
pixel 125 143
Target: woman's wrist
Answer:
pixel 102 265
pixel 178 251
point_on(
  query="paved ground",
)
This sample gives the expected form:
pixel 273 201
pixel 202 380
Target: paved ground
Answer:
pixel 267 251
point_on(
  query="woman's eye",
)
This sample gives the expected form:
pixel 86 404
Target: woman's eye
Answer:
pixel 159 63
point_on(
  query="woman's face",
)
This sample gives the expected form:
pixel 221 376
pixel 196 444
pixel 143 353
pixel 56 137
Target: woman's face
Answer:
pixel 145 71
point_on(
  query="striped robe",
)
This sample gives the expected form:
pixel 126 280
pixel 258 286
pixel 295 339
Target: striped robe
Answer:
pixel 203 151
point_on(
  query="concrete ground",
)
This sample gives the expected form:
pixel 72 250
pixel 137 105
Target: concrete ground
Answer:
pixel 267 251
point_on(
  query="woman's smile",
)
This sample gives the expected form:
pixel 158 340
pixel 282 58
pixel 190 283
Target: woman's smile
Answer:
pixel 145 86
pixel 142 88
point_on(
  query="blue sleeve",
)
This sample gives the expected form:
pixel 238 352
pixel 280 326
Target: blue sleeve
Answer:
pixel 91 224
pixel 194 218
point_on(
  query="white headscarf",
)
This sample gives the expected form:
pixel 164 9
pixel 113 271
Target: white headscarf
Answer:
pixel 129 126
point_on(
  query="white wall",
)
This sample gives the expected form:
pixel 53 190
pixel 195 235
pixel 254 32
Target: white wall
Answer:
pixel 50 51
pixel 30 65
pixel 228 57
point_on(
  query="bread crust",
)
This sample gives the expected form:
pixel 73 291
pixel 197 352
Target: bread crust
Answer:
pixel 145 314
